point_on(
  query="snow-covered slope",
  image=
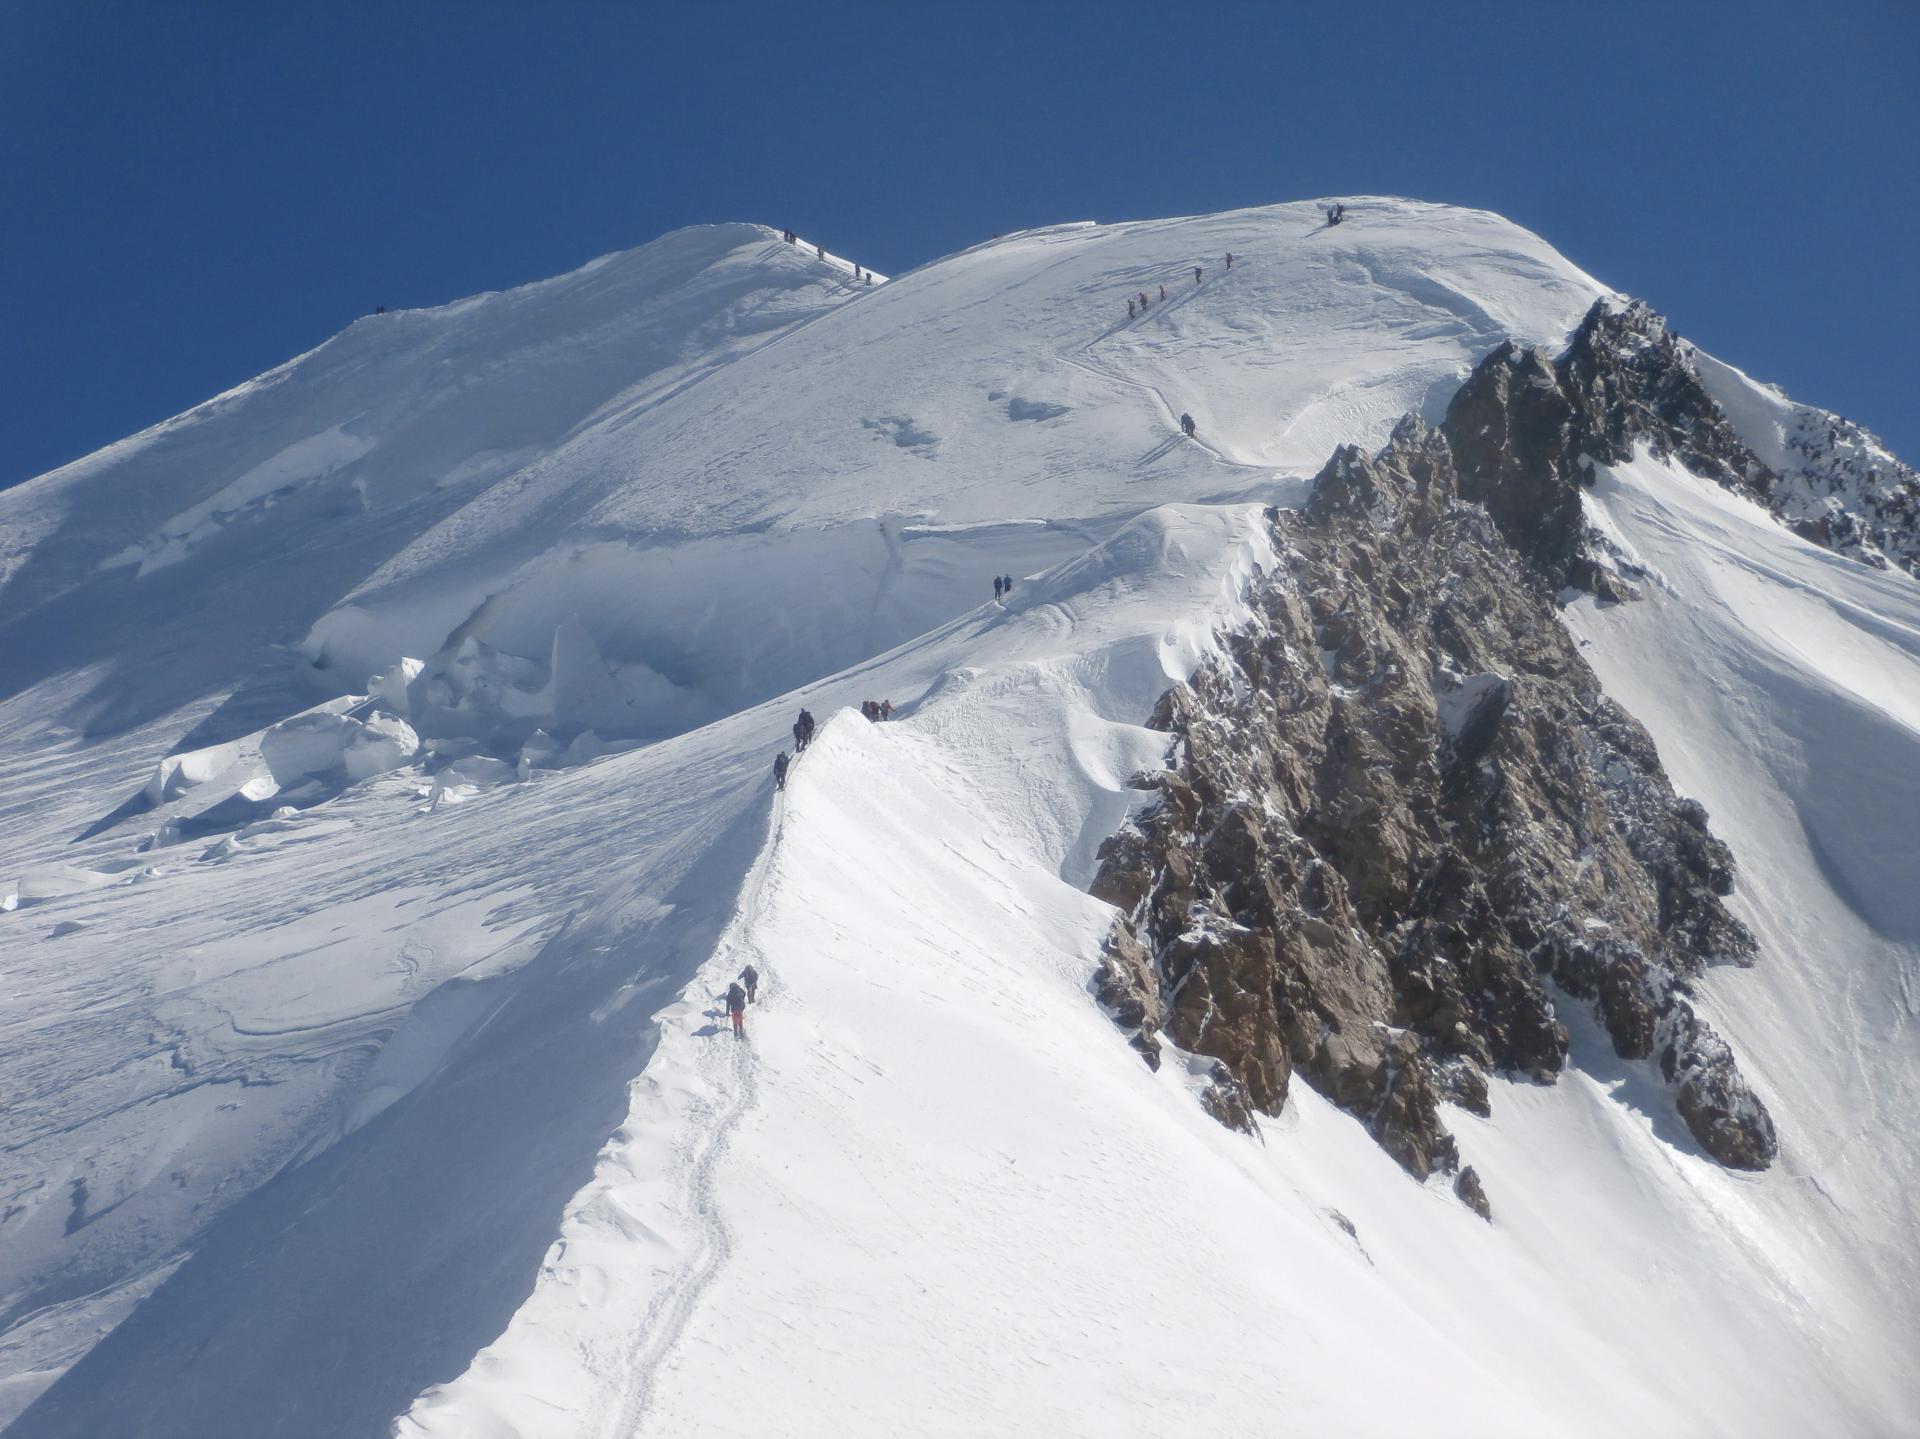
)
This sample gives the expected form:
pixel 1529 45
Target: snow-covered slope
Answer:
pixel 353 1100
pixel 629 441
pixel 934 1190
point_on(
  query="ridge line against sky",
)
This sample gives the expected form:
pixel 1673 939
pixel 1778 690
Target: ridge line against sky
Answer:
pixel 209 192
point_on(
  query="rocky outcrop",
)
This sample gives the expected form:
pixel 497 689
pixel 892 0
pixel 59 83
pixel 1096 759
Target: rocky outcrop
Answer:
pixel 1523 431
pixel 1399 823
pixel 1468 1189
pixel 1845 490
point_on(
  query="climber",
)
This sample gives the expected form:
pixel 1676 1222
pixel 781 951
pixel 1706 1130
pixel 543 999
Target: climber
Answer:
pixel 886 709
pixel 750 977
pixel 780 763
pixel 820 252
pixel 1229 259
pixel 999 587
pixel 1186 423
pixel 1006 582
pixel 1143 302
pixel 737 1007
pixel 802 731
pixel 1163 294
pixel 1196 274
pixel 1130 310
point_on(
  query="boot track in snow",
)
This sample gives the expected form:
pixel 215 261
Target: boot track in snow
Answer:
pixel 733 1077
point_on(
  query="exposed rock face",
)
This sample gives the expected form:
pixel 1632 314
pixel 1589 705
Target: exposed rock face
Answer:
pixel 1391 813
pixel 1472 1194
pixel 1522 430
pixel 1847 491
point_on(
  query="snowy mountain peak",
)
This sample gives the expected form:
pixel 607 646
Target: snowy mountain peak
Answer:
pixel 390 805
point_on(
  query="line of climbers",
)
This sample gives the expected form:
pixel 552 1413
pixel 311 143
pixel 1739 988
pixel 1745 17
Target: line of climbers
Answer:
pixel 820 252
pixel 803 727
pixel 738 998
pixel 1137 306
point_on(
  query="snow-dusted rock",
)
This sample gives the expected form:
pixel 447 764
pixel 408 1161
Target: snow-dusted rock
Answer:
pixel 1392 805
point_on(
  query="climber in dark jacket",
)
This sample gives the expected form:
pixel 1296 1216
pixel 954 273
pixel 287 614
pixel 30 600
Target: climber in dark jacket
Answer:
pixel 737 1008
pixel 780 763
pixel 750 977
pixel 1186 424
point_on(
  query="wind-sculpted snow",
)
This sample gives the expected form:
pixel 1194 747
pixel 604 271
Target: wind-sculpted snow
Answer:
pixel 384 795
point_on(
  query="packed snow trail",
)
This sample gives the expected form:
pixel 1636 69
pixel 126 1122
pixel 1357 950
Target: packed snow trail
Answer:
pixel 668 1314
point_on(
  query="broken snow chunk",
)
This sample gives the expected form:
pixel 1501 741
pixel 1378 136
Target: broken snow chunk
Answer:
pixel 393 689
pixel 322 745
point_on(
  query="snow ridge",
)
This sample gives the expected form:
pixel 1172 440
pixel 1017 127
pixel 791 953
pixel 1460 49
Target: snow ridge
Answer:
pixel 736 1080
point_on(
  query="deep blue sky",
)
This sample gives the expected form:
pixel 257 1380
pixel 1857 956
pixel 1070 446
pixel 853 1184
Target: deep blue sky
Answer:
pixel 192 193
